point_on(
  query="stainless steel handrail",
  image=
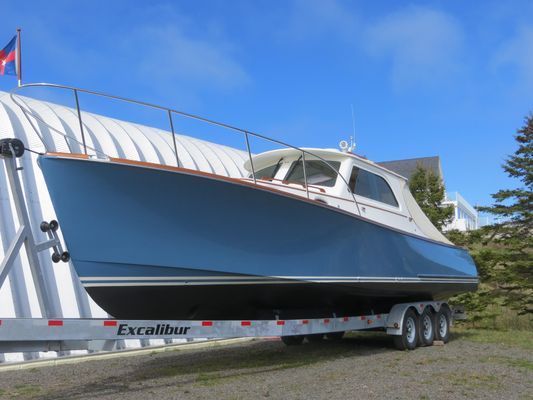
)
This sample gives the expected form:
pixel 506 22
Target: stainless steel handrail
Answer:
pixel 169 111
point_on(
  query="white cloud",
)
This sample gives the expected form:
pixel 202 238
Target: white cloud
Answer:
pixel 169 54
pixel 165 47
pixel 423 45
pixel 517 53
pixel 309 18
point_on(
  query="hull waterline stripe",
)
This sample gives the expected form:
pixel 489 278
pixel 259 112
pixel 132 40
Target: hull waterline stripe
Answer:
pixel 270 282
pixel 255 278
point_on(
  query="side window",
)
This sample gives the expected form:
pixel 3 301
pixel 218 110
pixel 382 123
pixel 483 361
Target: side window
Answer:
pixel 372 186
pixel 266 173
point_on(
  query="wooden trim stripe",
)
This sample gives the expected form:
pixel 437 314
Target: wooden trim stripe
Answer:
pixel 69 155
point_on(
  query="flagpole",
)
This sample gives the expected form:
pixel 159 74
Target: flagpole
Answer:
pixel 19 59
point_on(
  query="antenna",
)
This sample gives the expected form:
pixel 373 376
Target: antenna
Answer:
pixel 343 144
pixel 352 138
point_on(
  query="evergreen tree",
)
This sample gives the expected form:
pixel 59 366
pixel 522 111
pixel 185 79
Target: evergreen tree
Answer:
pixel 507 252
pixel 428 191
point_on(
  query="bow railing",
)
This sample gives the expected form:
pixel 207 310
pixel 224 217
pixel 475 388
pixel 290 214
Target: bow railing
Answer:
pixel 28 112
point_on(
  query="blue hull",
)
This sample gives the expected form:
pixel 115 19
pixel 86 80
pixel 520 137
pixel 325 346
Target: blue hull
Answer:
pixel 151 243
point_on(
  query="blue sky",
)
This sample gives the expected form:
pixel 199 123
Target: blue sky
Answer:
pixel 448 78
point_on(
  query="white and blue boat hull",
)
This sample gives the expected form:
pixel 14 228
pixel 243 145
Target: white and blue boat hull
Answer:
pixel 150 242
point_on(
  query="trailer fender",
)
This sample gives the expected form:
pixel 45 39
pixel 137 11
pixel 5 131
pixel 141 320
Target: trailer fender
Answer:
pixel 394 322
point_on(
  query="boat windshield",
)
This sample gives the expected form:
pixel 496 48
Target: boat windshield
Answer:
pixel 267 172
pixel 318 172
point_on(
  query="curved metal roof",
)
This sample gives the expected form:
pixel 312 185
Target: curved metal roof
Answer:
pixel 116 138
pixel 113 137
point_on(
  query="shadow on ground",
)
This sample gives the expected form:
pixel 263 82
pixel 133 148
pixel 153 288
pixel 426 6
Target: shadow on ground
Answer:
pixel 214 365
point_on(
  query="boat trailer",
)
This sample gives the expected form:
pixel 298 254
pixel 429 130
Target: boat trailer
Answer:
pixel 411 324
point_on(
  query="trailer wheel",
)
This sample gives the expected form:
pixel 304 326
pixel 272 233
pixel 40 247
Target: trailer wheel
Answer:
pixel 409 337
pixel 335 335
pixel 442 325
pixel 315 338
pixel 293 340
pixel 427 324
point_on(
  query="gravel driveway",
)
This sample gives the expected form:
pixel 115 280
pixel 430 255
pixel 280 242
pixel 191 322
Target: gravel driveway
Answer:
pixel 365 367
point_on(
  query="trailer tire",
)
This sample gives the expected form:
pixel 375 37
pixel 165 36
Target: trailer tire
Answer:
pixel 427 327
pixel 408 340
pixel 442 325
pixel 293 340
pixel 335 336
pixel 315 338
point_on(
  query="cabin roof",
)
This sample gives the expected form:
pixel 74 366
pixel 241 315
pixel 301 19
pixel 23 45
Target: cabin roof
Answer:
pixel 266 158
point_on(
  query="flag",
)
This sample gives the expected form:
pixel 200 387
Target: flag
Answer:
pixel 8 58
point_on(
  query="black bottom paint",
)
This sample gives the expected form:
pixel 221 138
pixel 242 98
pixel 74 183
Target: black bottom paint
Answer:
pixel 264 301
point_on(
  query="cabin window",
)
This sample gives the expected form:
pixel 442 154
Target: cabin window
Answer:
pixel 267 173
pixel 318 173
pixel 372 186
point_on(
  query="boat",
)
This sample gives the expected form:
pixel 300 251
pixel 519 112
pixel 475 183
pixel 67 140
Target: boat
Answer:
pixel 309 233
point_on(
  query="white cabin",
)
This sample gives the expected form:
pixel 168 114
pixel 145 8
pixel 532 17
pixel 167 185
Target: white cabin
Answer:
pixel 345 181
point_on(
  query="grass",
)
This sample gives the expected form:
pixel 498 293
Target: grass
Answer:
pixel 514 338
pixel 213 368
pixel 520 363
pixel 20 390
pixel 498 317
pixel 473 380
pixel 511 362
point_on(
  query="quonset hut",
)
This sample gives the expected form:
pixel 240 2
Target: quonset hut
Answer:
pixel 116 138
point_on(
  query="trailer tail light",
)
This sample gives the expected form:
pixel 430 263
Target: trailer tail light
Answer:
pixel 207 323
pixel 110 323
pixel 280 322
pixel 305 322
pixel 246 323
pixel 55 322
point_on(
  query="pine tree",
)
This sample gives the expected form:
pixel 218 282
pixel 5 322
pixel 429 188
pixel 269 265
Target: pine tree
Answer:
pixel 428 191
pixel 507 252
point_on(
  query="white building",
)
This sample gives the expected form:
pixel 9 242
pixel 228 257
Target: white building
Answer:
pixel 465 217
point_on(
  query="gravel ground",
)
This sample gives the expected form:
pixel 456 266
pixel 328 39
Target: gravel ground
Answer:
pixel 366 367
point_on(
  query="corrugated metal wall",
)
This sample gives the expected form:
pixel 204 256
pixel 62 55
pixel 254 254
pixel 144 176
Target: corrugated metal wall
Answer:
pixel 113 137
